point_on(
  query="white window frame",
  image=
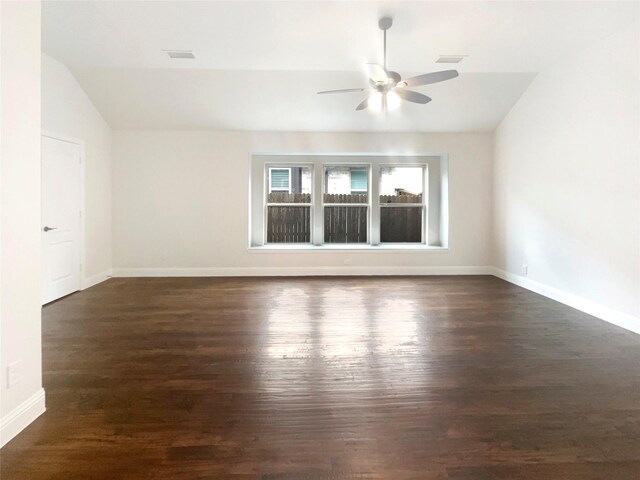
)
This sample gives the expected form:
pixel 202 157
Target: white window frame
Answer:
pixel 435 198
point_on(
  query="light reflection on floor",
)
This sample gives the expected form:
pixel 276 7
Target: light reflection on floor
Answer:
pixel 343 325
pixel 319 339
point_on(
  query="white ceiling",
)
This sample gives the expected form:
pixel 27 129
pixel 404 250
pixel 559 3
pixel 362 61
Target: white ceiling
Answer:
pixel 286 100
pixel 259 64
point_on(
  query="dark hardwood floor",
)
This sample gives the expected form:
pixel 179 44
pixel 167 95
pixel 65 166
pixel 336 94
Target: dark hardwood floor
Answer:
pixel 466 378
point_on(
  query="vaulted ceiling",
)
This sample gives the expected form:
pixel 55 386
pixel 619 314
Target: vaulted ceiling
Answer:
pixel 259 65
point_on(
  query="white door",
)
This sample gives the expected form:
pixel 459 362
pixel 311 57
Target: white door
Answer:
pixel 60 218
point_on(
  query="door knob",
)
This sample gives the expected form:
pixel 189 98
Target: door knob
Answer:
pixel 46 229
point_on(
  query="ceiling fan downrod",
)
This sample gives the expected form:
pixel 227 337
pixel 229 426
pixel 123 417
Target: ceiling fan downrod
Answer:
pixel 385 24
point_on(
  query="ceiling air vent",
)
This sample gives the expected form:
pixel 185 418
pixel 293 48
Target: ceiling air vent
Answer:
pixel 450 58
pixel 180 53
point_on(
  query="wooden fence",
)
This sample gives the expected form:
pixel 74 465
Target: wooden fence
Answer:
pixel 404 198
pixel 289 223
pixel 342 223
pixel 400 224
pixel 289 198
pixel 345 224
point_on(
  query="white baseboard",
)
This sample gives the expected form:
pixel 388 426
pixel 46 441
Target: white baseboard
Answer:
pixel 20 417
pixel 96 279
pixel 296 271
pixel 624 320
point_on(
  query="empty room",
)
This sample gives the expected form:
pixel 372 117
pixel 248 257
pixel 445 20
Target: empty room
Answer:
pixel 319 240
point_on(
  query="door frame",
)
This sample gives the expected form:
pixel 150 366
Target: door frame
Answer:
pixel 81 180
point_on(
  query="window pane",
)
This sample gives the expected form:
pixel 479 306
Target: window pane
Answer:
pixel 345 224
pixel 401 224
pixel 346 184
pixel 289 185
pixel 288 224
pixel 398 182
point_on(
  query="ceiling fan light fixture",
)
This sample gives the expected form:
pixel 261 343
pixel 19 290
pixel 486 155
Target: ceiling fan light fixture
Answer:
pixel 375 102
pixel 393 100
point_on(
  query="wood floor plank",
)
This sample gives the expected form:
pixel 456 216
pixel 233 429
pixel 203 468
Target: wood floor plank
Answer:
pixel 395 378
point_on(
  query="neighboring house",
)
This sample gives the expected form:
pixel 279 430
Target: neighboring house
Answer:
pixel 290 180
pixel 401 181
pixel 354 180
pixel 346 180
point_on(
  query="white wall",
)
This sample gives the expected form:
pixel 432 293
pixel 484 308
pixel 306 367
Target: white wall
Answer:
pixel 181 200
pixel 567 178
pixel 20 219
pixel 68 111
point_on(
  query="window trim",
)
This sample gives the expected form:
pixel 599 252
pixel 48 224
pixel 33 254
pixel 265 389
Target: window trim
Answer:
pixel 435 194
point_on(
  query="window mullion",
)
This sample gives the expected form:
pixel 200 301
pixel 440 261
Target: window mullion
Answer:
pixel 374 206
pixel 316 199
pixel 425 214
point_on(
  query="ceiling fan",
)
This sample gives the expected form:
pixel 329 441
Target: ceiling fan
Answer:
pixel 386 88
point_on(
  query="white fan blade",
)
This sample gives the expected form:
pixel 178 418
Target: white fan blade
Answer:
pixel 377 73
pixel 411 96
pixel 429 78
pixel 364 104
pixel 346 90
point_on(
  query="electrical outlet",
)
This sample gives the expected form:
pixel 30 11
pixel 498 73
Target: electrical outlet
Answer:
pixel 525 269
pixel 14 373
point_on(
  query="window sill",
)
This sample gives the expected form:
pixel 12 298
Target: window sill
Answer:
pixel 395 248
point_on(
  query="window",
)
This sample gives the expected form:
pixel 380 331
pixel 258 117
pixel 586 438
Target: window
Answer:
pixel 348 201
pixel 345 208
pixel 288 205
pixel 401 204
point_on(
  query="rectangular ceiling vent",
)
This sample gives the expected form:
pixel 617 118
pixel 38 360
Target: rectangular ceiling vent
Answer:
pixel 180 54
pixel 450 58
